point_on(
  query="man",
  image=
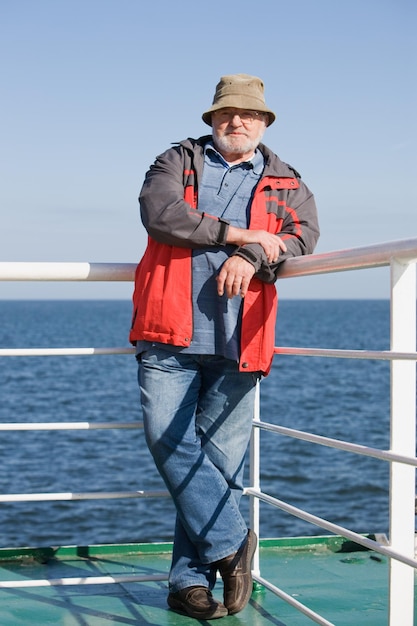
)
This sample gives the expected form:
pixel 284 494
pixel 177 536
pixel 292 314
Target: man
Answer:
pixel 222 212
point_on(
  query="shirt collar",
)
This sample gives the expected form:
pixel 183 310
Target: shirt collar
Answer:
pixel 257 162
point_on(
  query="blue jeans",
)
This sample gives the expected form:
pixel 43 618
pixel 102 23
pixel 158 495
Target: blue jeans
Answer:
pixel 197 413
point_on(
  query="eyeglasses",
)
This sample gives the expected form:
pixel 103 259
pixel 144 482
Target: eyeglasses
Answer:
pixel 247 116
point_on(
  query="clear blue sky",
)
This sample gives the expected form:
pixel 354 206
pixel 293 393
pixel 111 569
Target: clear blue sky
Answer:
pixel 93 90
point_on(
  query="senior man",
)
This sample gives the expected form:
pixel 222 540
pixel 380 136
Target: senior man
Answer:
pixel 222 213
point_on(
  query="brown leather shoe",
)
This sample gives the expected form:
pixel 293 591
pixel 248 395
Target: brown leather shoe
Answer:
pixel 196 602
pixel 237 577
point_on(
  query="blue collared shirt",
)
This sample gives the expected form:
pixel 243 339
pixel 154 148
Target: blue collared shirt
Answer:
pixel 225 191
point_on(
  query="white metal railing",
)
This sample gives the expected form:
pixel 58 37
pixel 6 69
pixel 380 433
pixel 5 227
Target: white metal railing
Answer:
pixel 401 257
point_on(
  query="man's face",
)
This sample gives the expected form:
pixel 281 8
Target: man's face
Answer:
pixel 237 132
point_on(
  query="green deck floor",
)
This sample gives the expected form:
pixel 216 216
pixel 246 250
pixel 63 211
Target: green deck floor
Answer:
pixel 348 588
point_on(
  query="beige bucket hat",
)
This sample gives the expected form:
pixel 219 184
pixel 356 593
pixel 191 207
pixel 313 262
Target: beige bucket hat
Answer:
pixel 240 91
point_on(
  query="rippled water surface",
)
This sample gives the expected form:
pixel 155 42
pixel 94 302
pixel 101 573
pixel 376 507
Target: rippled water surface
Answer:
pixel 337 398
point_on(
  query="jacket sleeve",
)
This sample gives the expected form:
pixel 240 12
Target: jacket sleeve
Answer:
pixel 300 232
pixel 167 217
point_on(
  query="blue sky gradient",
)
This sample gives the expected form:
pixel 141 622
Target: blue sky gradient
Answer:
pixel 93 90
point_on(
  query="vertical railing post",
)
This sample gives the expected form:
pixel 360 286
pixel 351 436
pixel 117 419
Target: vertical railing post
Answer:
pixel 254 475
pixel 403 441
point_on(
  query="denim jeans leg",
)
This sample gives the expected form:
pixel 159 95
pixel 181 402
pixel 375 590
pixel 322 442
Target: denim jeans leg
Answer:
pixel 224 417
pixel 186 566
pixel 197 417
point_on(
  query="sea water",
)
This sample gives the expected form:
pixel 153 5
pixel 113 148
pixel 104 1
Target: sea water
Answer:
pixel 339 398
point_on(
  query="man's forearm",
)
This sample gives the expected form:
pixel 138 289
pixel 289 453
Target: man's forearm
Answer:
pixel 271 243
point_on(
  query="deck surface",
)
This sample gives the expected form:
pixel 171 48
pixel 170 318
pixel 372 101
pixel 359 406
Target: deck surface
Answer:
pixel 345 587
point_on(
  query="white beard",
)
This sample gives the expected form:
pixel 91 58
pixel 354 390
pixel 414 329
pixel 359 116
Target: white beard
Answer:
pixel 237 145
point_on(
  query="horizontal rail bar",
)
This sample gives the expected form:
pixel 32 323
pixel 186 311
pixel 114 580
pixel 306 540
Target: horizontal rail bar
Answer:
pixel 366 257
pixel 293 602
pixel 63 351
pixel 87 580
pixel 16 271
pixel 100 495
pixel 383 355
pixel 384 455
pixel 333 528
pixel 10 426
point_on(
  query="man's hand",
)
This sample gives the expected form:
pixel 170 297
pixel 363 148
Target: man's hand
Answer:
pixel 272 244
pixel 234 277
